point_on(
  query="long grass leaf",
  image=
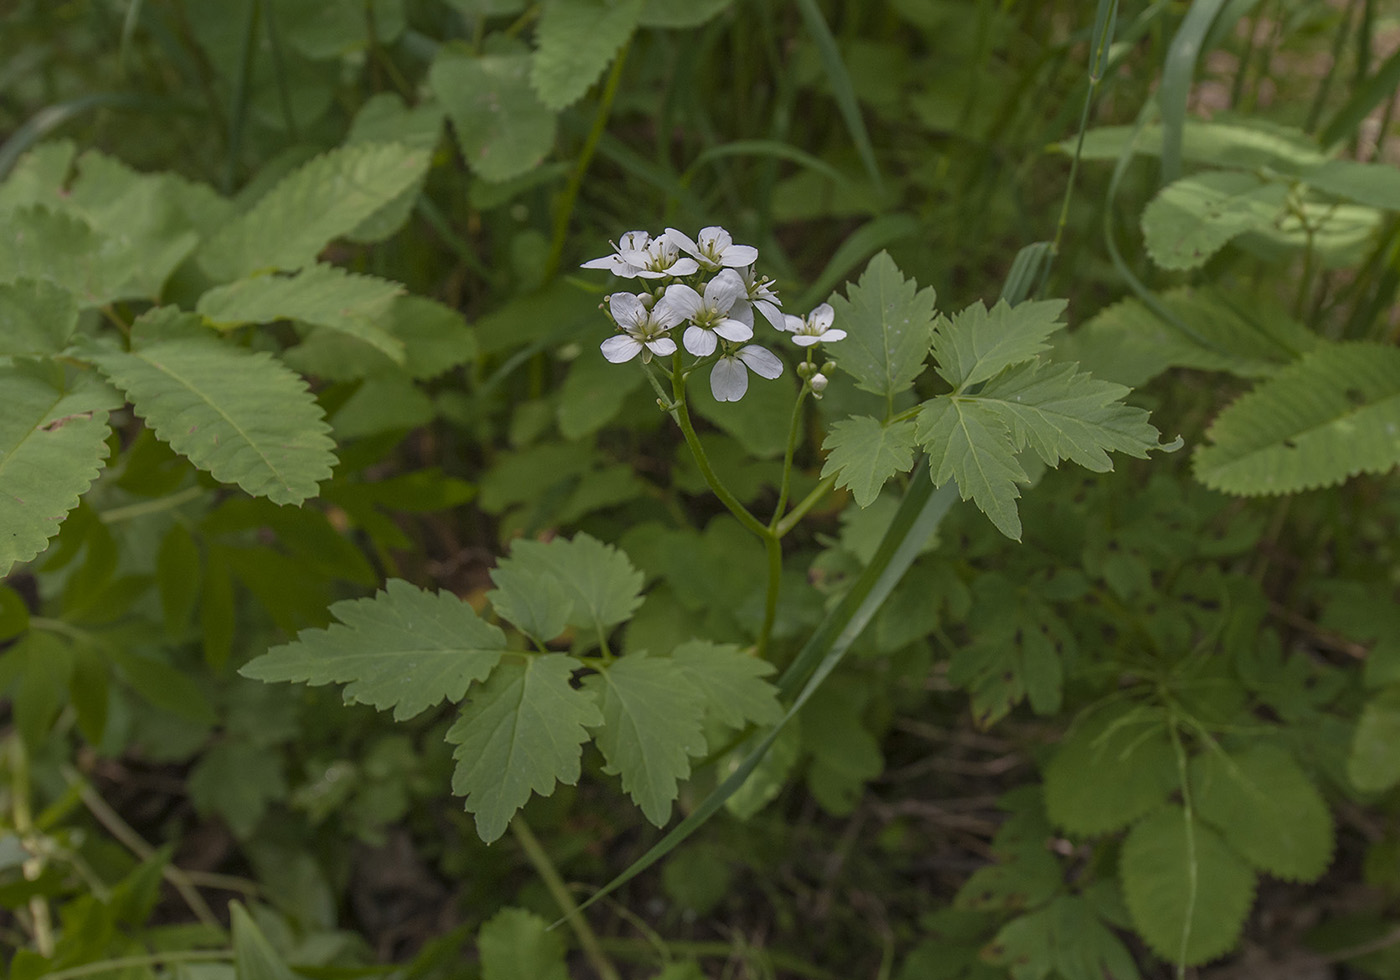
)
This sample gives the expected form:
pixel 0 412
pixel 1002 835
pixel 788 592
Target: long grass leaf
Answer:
pixel 1177 73
pixel 840 81
pixel 767 148
pixel 864 242
pixel 1377 89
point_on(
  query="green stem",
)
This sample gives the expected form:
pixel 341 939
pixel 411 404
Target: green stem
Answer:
pixel 41 923
pixel 570 197
pixel 544 867
pixel 774 549
pixel 150 959
pixel 793 428
pixel 117 514
pixel 818 493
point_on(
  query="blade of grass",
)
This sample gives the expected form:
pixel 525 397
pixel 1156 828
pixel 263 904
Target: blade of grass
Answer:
pixel 766 148
pixel 1177 73
pixel 1377 88
pixel 242 86
pixel 49 118
pixel 129 22
pixel 840 81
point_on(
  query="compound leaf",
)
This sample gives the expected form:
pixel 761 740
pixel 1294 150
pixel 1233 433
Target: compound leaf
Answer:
pixel 238 414
pixel 533 599
pixel 320 201
pixel 36 317
pixel 970 442
pixel 863 454
pixel 503 128
pixel 53 435
pixel 1332 415
pixel 1187 892
pixel 978 343
pixel 652 718
pixel 1266 808
pixel 889 322
pixel 1193 218
pixel 600 581
pixel 576 40
pixel 521 732
pixel 1065 935
pixel 736 693
pixel 405 649
pixel 1373 765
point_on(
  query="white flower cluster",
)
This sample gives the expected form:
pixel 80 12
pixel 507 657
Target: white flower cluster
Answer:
pixel 713 289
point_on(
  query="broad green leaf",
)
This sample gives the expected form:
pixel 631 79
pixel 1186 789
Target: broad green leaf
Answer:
pixel 844 754
pixel 736 693
pixel 970 442
pixel 38 176
pixel 1116 764
pixel 44 664
pixel 1193 218
pixel 1316 423
pixel 576 39
pixel 520 733
pixel 163 685
pixel 978 343
pixel 1373 765
pixel 1266 808
pixel 1375 185
pixel 53 439
pixel 502 127
pixel 888 321
pixel 680 13
pixel 593 394
pixel 41 243
pixel 320 201
pixel 36 317
pixel 253 956
pixel 533 599
pixel 1187 892
pixel 1064 936
pixel 405 649
pixel 863 454
pixel 321 295
pixel 651 727
pixel 1243 144
pixel 237 781
pixel 604 587
pixel 518 945
pixel 384 118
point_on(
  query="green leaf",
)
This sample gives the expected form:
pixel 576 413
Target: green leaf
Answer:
pixel 576 40
pixel 320 201
pixel 502 127
pixel 237 781
pixel 889 322
pixel 534 600
pixel 593 394
pixel 238 414
pixel 1330 416
pixel 845 755
pixel 1065 936
pixel 1187 892
pixel 651 727
pixel 1373 765
pixel 681 13
pixel 53 439
pixel 1116 764
pixel 1246 144
pixel 42 243
pixel 253 956
pixel 405 649
pixel 518 945
pixel 321 295
pixel 978 344
pixel 1266 808
pixel 863 454
pixel 521 732
pixel 601 582
pixel 1193 218
pixel 732 682
pixel 36 317
pixel 970 442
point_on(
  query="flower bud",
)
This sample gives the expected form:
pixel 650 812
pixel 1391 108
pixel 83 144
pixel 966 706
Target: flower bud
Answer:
pixel 818 382
pixel 828 367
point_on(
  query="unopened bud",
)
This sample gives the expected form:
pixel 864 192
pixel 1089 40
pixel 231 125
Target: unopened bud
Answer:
pixel 818 382
pixel 828 367
pixel 804 370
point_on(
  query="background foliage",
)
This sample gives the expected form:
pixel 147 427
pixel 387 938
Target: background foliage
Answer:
pixel 296 386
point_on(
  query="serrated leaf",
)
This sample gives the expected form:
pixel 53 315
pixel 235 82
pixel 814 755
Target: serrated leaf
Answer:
pixel 238 414
pixel 651 727
pixel 53 433
pixel 1373 764
pixel 320 201
pixel 237 781
pixel 978 343
pixel 36 317
pixel 601 582
pixel 1187 892
pixel 1116 764
pixel 533 600
pixel 1266 808
pixel 576 40
pixel 405 649
pixel 41 243
pixel 521 732
pixel 732 682
pixel 1332 415
pixel 970 442
pixel 321 295
pixel 889 322
pixel 1065 936
pixel 863 454
pixel 518 945
pixel 1193 218
pixel 501 125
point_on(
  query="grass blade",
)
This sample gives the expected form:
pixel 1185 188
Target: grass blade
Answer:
pixel 1177 74
pixel 840 81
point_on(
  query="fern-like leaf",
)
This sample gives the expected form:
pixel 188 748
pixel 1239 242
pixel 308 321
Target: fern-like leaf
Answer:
pixel 1331 416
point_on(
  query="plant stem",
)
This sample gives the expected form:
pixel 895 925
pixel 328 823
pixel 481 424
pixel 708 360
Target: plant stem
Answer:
pixel 544 867
pixel 807 503
pixel 774 549
pixel 41 924
pixel 793 429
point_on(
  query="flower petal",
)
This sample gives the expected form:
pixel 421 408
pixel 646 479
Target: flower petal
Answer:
pixel 682 241
pixel 792 324
pixel 716 238
pixel 680 298
pixel 662 346
pixel 633 241
pixel 627 309
pixel 738 256
pixel 761 361
pixel 723 290
pixel 806 339
pixel 683 267
pixel 621 348
pixel 772 313
pixel 735 330
pixel 699 342
pixel 822 316
pixel 832 336
pixel 729 380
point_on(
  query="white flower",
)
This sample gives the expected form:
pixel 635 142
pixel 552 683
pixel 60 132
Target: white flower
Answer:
pixel 758 293
pixel 716 248
pixel 645 328
pixel 818 382
pixel 816 329
pixel 730 377
pixel 638 254
pixel 711 314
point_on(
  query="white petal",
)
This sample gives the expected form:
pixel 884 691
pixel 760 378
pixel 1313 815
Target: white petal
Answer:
pixel 806 340
pixel 743 312
pixel 792 324
pixel 627 309
pixel 738 255
pixel 699 342
pixel 682 241
pixel 735 330
pixel 717 236
pixel 729 380
pixel 762 361
pixel 680 298
pixel 633 241
pixel 723 290
pixel 683 267
pixel 831 336
pixel 822 317
pixel 662 346
pixel 771 311
pixel 621 348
